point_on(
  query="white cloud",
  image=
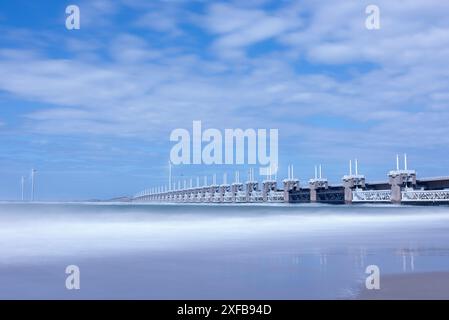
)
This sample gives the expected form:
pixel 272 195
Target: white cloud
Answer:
pixel 144 91
pixel 161 21
pixel 239 27
pixel 98 13
pixel 410 31
pixel 127 48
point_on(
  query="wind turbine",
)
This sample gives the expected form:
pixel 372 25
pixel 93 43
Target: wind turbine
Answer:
pixel 33 171
pixel 169 174
pixel 23 187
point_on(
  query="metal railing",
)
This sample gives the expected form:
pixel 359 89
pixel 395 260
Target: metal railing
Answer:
pixel 425 195
pixel 371 195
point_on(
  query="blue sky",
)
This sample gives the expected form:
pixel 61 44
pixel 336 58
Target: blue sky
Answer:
pixel 92 109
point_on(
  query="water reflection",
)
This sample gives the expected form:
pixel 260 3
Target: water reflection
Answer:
pixel 190 252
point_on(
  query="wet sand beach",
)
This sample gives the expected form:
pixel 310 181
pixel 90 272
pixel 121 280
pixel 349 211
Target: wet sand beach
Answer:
pixel 428 285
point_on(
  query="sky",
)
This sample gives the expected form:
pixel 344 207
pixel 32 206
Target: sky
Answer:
pixel 92 109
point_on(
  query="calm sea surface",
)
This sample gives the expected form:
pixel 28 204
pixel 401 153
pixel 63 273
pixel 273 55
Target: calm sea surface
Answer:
pixel 213 251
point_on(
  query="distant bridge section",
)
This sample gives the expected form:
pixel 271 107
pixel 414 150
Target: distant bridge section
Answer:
pixel 402 187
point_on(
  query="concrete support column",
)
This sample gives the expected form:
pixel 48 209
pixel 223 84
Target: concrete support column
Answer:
pixel 213 190
pixel 400 179
pixel 265 191
pixel 348 194
pixel 314 185
pixel 222 190
pixel 312 193
pixel 396 195
pixel 350 182
pixel 196 195
pixel 250 187
pixel 203 194
pixel 234 190
pixel 267 186
pixel 289 185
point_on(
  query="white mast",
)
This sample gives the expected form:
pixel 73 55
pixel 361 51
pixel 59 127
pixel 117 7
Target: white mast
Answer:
pixel 397 162
pixel 169 174
pixel 320 171
pixel 32 184
pixel 350 167
pixel 405 161
pixel 356 167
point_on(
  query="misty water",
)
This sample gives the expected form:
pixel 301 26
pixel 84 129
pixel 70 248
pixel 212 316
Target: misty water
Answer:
pixel 213 251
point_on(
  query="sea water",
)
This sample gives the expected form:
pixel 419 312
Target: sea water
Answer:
pixel 156 251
